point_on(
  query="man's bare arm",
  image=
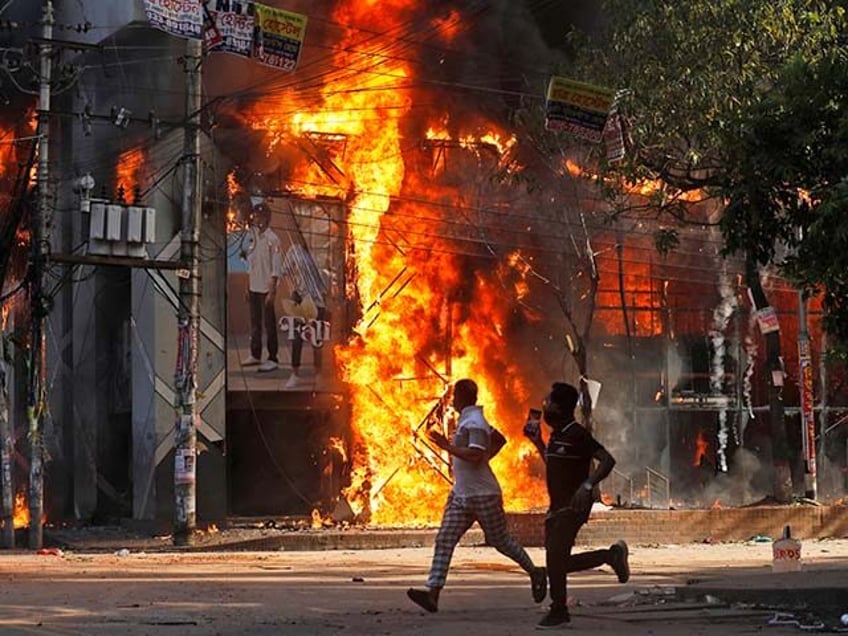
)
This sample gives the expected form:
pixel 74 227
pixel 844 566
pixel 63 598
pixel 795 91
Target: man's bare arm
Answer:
pixel 474 455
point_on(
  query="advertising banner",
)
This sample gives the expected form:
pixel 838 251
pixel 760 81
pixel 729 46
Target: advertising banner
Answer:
pixel 578 108
pixel 767 320
pixel 183 18
pixel 614 137
pixel 278 36
pixel 285 298
pixel 234 23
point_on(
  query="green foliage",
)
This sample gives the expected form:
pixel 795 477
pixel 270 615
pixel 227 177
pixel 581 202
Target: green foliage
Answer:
pixel 745 101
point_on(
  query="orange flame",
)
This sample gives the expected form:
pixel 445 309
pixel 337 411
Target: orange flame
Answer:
pixel 20 516
pixel 641 187
pixel 337 444
pixel 413 336
pixel 128 171
pixel 701 448
pixel 234 224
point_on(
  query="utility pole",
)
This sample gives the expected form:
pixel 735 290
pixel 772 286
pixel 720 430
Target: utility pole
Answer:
pixel 6 488
pixel 805 390
pixel 188 317
pixel 39 303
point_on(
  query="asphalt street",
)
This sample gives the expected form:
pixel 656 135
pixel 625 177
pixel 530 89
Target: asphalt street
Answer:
pixel 673 590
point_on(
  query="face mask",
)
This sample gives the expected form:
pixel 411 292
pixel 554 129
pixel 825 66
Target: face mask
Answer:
pixel 550 410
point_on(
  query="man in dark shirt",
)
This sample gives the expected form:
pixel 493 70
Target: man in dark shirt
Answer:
pixel 571 480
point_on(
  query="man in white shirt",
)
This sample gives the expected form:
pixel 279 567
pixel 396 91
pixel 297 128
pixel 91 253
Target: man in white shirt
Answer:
pixel 475 496
pixel 264 266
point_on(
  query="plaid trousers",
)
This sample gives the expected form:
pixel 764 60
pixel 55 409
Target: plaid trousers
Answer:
pixel 460 513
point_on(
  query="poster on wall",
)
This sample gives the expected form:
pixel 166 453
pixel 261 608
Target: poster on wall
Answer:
pixel 284 296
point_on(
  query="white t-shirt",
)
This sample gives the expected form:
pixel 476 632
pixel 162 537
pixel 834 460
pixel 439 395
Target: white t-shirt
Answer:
pixel 263 260
pixel 473 479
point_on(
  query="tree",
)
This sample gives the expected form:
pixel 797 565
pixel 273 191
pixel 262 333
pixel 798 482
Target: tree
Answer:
pixel 792 161
pixel 693 72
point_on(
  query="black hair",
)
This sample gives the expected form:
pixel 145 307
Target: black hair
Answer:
pixel 467 388
pixel 565 396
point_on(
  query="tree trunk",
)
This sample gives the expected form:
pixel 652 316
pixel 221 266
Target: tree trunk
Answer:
pixel 782 476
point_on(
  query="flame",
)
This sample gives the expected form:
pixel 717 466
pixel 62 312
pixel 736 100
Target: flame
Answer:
pixel 701 448
pixel 7 150
pixel 640 187
pixel 128 171
pixel 337 444
pixel 414 335
pixel 234 224
pixel 716 505
pixel 20 516
pixel 447 26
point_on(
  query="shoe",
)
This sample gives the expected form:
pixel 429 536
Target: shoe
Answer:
pixel 556 618
pixel 250 361
pixel 539 584
pixel 295 381
pixel 619 562
pixel 268 365
pixel 423 599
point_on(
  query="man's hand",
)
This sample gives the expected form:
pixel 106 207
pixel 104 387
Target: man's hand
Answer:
pixel 583 499
pixel 439 439
pixel 534 434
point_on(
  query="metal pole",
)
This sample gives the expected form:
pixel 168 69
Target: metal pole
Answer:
pixel 185 376
pixel 38 302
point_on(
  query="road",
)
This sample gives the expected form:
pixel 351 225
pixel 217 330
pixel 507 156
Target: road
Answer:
pixel 326 593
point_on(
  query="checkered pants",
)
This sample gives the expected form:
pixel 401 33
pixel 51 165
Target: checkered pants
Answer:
pixel 460 513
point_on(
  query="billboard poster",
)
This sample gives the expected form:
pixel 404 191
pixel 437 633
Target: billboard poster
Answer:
pixel 234 23
pixel 183 18
pixel 767 320
pixel 578 108
pixel 278 36
pixel 285 296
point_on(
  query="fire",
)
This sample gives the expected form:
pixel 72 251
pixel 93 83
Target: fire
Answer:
pixel 234 223
pixel 7 149
pixel 641 294
pixel 337 444
pixel 128 171
pixel 448 26
pixel 430 314
pixel 20 516
pixel 641 187
pixel 701 448
pixel 317 521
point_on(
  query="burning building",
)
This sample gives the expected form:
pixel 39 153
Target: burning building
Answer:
pixel 444 245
